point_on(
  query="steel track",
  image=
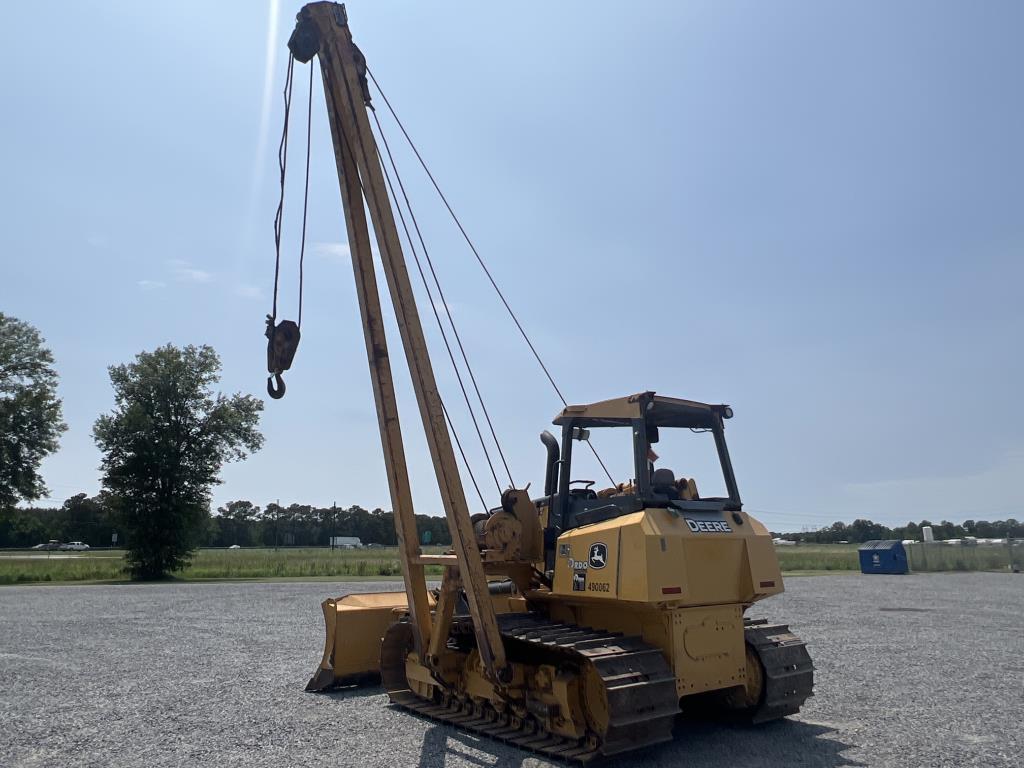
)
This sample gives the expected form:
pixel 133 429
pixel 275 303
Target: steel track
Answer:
pixel 788 670
pixel 638 684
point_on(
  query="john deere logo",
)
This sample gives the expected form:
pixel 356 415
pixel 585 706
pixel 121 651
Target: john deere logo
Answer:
pixel 598 555
pixel 708 526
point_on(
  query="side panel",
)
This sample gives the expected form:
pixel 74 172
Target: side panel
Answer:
pixel 703 645
pixel 707 648
pixel 664 556
pixel 587 562
pixel 765 576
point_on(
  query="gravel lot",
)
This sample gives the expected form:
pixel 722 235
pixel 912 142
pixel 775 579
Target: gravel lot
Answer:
pixel 923 670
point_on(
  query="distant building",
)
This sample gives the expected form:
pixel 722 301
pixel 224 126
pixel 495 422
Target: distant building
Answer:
pixel 346 542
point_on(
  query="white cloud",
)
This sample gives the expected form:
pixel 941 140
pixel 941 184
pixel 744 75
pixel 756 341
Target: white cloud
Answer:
pixel 248 291
pixel 185 273
pixel 333 251
pixel 194 276
pixel 149 285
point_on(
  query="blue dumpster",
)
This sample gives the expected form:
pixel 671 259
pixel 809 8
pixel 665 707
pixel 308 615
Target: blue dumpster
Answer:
pixel 883 556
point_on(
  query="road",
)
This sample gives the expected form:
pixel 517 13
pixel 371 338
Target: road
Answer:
pixel 921 670
pixel 52 556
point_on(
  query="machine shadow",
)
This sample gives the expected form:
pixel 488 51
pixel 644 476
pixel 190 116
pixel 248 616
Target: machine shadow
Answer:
pixel 443 741
pixel 695 744
pixel 784 742
pixel 353 692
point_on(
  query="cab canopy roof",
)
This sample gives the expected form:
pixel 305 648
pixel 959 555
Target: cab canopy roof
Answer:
pixel 658 410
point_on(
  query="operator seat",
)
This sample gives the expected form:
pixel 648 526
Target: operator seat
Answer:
pixel 663 483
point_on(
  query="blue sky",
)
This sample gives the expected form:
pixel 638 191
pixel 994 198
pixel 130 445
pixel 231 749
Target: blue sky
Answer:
pixel 812 211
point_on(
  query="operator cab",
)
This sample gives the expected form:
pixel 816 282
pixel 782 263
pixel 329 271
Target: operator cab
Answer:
pixel 574 503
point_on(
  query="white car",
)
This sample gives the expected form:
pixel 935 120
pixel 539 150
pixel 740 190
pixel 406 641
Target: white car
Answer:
pixel 77 546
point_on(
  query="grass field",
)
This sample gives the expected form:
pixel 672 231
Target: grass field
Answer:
pixel 933 557
pixel 321 563
pixel 106 565
pixel 818 557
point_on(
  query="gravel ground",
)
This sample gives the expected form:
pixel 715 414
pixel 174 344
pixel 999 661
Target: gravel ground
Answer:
pixel 923 670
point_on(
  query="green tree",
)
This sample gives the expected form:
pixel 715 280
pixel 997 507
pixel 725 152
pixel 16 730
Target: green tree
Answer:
pixel 164 445
pixel 236 523
pixel 30 412
pixel 86 519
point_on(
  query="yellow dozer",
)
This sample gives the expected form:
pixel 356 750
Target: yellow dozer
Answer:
pixel 578 623
pixel 616 609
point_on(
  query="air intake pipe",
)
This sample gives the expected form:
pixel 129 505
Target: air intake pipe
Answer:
pixel 551 473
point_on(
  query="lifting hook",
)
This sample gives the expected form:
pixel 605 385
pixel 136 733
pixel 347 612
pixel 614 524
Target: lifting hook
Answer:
pixel 275 386
pixel 282 341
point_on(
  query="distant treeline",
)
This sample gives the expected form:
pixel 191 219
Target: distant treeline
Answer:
pixel 94 521
pixel 302 525
pixel 864 530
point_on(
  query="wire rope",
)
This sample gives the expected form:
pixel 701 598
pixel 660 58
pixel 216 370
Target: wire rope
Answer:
pixel 362 189
pixel 305 199
pixel 444 335
pixel 440 292
pixel 482 264
pixel 282 163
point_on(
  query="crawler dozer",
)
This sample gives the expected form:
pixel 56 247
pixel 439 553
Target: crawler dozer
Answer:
pixel 579 622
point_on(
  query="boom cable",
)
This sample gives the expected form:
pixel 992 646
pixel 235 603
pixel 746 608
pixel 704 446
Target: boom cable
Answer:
pixel 462 453
pixel 283 338
pixel 481 262
pixel 444 303
pixel 282 163
pixel 305 199
pixel 444 335
pixel 362 189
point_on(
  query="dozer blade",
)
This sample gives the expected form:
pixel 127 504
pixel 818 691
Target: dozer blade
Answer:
pixel 355 624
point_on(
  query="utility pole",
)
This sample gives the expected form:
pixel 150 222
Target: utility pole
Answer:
pixel 334 523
